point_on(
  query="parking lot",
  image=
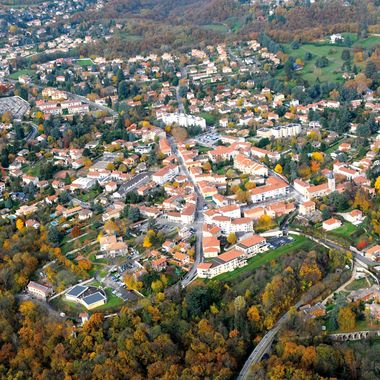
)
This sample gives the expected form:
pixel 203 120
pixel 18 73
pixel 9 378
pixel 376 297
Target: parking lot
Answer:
pixel 208 139
pixel 277 242
pixel 17 106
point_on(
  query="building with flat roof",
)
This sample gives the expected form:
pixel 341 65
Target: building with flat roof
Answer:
pixel 90 297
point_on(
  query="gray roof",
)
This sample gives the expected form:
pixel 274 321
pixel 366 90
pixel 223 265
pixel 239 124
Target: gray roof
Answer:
pixel 76 291
pixel 93 298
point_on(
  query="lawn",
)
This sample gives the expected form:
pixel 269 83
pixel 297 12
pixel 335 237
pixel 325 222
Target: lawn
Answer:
pixel 348 233
pixel 18 73
pixel 360 283
pixel 347 229
pixel 299 242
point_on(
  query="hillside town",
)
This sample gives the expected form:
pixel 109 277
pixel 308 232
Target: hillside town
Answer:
pixel 205 170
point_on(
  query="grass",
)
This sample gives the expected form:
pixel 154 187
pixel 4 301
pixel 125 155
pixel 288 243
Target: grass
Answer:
pixel 113 302
pixel 210 118
pixel 368 43
pixel 18 73
pixel 299 242
pixel 360 283
pixel 348 233
pixel 332 148
pixel 331 73
pixel 347 229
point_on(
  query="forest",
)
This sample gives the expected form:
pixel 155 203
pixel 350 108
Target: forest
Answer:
pixel 205 331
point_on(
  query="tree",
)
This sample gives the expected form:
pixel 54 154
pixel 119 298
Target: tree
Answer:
pixel 264 223
pixel 278 169
pixel 19 224
pixel 377 184
pixel 346 319
pixel 6 118
pixel 75 232
pixel 231 238
pixel 346 56
pixel 253 314
pixel 147 242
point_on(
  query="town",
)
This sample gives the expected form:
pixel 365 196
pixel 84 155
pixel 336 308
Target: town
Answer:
pixel 135 177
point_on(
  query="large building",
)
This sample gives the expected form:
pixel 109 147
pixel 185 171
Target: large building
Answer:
pixel 183 120
pixel 88 296
pixel 38 290
pixel 280 131
pixel 165 174
pixel 226 262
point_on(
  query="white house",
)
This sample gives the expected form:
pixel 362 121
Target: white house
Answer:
pixel 331 224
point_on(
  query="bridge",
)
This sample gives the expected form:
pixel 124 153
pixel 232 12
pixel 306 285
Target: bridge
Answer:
pixel 355 335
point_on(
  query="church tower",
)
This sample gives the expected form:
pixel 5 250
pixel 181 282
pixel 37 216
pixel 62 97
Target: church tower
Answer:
pixel 331 182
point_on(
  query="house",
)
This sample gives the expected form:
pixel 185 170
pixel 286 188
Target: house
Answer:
pixel 85 214
pixel 165 174
pixel 111 187
pixel 307 208
pixel 248 166
pixel 210 246
pixel 373 253
pixel 159 264
pixel 331 224
pixel 252 245
pixel 373 310
pixel 355 217
pixel 366 294
pixel 32 223
pixel 226 262
pixel 113 246
pixel 40 291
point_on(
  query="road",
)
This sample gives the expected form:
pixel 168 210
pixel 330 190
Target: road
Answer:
pixel 198 222
pixel 263 346
pixel 181 108
pixel 32 134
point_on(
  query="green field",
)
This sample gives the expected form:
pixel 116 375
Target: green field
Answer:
pixel 18 73
pixel 299 242
pixel 368 43
pixel 333 53
pixel 85 62
pixel 219 28
pixel 309 72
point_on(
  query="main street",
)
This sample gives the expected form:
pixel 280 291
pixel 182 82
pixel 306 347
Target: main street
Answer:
pixel 198 221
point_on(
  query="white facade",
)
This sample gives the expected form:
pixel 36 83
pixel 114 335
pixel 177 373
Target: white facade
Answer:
pixel 183 120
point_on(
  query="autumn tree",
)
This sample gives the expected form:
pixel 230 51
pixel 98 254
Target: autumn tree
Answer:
pixel 346 319
pixel 231 238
